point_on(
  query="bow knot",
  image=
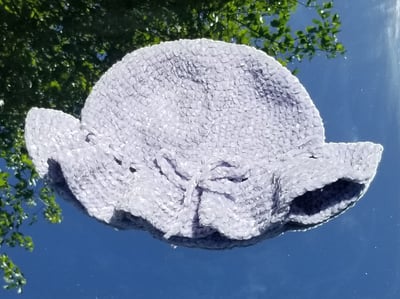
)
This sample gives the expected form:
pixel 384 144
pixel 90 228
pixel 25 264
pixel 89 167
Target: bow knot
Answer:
pixel 216 175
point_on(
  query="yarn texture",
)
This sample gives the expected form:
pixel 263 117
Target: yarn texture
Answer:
pixel 203 144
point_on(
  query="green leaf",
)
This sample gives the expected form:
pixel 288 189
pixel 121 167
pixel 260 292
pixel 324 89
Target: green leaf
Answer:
pixel 3 179
pixel 339 47
pixel 311 29
pixel 328 5
pixel 26 160
pixel 55 84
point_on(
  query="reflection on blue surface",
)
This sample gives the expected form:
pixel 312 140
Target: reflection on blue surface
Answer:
pixel 355 256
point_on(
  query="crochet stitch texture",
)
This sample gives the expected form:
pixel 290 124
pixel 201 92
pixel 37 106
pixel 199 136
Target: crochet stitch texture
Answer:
pixel 202 143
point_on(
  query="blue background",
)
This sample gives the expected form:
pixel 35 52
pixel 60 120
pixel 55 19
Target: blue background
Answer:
pixel 354 256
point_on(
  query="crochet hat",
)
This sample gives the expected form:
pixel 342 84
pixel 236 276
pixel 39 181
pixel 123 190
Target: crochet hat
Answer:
pixel 202 143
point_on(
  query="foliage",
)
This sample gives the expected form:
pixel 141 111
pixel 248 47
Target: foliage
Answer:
pixel 52 53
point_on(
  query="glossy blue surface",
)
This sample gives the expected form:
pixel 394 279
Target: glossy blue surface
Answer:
pixel 355 256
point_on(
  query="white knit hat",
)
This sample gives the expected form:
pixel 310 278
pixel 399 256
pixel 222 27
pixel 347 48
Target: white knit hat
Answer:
pixel 202 143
